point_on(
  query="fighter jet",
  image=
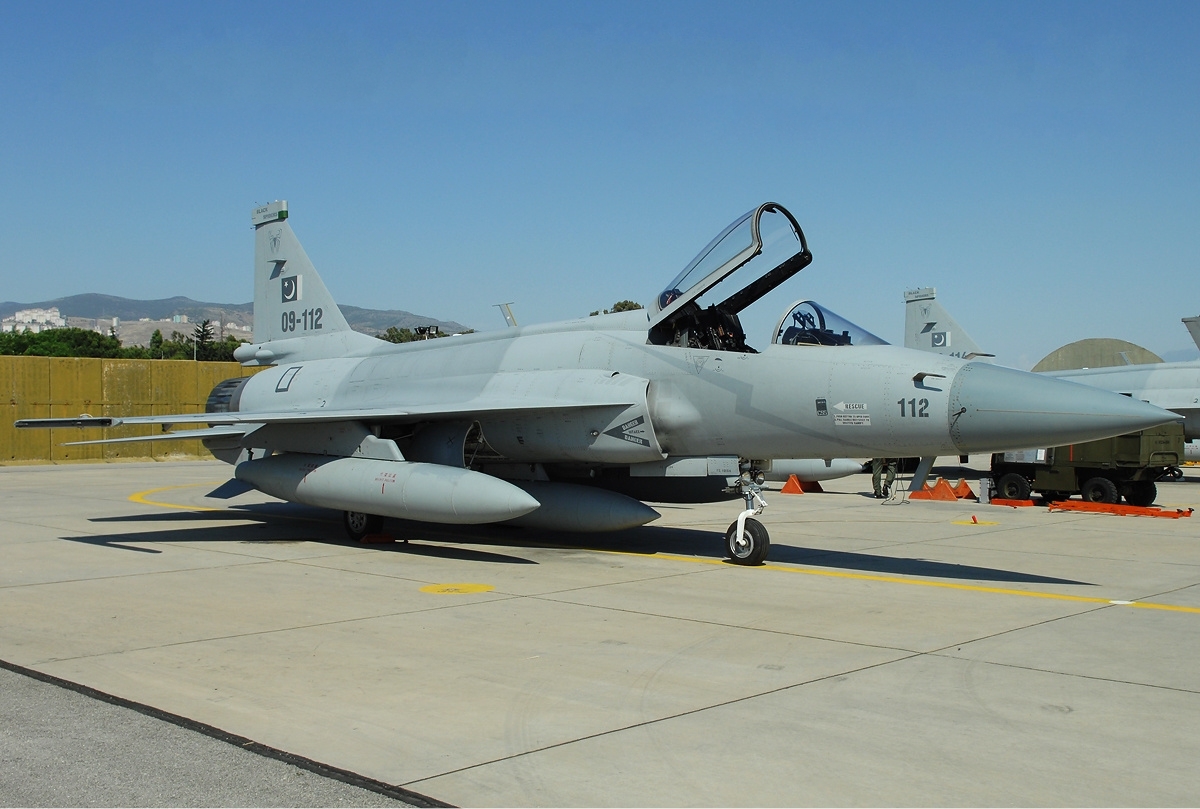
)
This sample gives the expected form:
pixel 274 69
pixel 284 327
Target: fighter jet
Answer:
pixel 928 326
pixel 570 426
pixel 1174 386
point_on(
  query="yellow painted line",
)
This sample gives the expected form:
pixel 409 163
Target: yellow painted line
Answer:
pixel 465 588
pixel 976 522
pixel 1148 606
pixel 144 497
pixel 974 588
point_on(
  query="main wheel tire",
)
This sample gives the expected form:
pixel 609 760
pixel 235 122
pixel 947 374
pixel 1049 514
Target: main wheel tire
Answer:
pixel 1100 490
pixel 359 525
pixel 1141 493
pixel 1012 487
pixel 753 548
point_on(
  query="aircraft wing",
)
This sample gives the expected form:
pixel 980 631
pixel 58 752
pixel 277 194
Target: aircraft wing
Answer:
pixel 226 431
pixel 311 416
pixel 514 393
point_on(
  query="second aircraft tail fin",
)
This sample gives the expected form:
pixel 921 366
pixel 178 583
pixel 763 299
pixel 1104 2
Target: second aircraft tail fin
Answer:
pixel 1193 327
pixel 929 327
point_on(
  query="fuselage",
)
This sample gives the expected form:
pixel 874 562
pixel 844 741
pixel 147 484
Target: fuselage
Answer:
pixel 783 402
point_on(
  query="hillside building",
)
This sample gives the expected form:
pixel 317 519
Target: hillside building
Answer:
pixel 33 320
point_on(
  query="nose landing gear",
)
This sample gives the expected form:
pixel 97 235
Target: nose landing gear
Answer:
pixel 746 539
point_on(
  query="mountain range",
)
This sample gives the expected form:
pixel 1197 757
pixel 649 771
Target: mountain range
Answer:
pixel 105 307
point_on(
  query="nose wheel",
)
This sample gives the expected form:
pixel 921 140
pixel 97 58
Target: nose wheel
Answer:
pixel 751 547
pixel 746 539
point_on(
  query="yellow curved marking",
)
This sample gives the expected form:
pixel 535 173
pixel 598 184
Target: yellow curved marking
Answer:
pixel 974 588
pixel 465 588
pixel 144 497
pixel 977 522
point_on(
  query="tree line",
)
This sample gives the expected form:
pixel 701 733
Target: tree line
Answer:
pixel 200 345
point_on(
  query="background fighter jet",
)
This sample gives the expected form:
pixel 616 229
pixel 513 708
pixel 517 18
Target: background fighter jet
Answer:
pixel 929 327
pixel 1174 386
pixel 569 426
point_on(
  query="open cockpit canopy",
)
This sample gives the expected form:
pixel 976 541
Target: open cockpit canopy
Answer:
pixel 808 323
pixel 759 251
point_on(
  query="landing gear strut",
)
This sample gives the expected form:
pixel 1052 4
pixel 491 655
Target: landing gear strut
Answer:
pixel 746 539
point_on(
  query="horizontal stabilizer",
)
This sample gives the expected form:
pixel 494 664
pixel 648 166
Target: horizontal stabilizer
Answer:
pixel 78 421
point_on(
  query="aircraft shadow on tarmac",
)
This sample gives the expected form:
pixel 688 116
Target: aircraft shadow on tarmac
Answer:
pixel 445 541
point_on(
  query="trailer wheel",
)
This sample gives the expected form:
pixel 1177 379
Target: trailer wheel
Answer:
pixel 1100 490
pixel 1141 493
pixel 1013 487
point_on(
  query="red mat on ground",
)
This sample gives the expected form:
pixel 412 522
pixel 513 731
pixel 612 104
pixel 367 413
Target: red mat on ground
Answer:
pixel 1123 511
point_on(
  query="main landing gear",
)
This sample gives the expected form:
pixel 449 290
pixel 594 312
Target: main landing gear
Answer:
pixel 746 539
pixel 359 525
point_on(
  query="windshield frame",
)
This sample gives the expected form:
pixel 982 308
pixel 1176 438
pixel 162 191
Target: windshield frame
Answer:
pixel 753 291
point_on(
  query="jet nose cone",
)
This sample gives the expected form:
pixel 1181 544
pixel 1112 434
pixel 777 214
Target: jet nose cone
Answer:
pixel 993 408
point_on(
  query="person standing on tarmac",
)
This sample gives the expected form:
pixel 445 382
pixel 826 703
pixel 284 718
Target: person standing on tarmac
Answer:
pixel 880 466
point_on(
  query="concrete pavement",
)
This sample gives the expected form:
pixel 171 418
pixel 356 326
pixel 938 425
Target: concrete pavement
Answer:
pixel 888 653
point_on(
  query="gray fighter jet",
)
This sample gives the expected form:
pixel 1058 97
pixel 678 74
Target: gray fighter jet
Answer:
pixel 570 426
pixel 929 327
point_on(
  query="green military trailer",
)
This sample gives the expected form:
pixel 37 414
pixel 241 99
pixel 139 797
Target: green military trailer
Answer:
pixel 1099 471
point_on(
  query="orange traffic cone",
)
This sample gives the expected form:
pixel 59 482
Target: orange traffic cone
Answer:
pixel 793 486
pixel 939 491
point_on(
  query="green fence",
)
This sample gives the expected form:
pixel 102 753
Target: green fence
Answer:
pixel 56 387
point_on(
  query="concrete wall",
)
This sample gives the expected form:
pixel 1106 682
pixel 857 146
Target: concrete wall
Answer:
pixel 54 387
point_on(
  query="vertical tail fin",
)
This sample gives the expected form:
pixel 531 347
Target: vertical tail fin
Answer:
pixel 1193 327
pixel 290 300
pixel 929 327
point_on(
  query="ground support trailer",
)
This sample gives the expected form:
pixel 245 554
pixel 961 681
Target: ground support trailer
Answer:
pixel 1099 471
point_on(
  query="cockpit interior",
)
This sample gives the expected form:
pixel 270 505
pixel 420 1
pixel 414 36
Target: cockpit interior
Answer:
pixel 808 323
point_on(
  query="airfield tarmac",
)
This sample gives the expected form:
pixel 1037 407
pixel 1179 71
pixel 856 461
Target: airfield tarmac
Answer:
pixel 887 654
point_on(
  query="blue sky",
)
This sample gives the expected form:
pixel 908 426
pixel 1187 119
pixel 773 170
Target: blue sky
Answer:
pixel 1037 163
